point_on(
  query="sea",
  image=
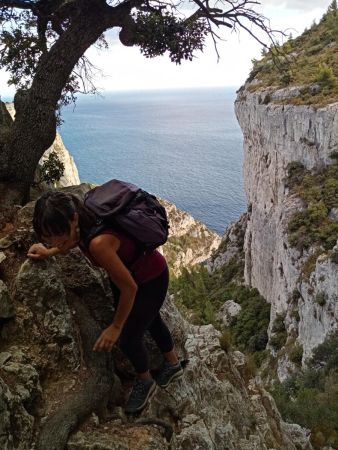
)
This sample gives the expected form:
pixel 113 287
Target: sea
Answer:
pixel 183 145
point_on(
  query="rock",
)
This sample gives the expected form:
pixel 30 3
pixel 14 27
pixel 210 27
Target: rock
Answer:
pixel 274 136
pixel 238 359
pixel 300 435
pixel 13 411
pixel 39 288
pixel 19 390
pixel 117 437
pixel 6 305
pixel 2 257
pixel 228 311
pixel 4 357
pixel 211 407
pixel 231 245
pixel 190 242
pixel 70 175
pixel 333 214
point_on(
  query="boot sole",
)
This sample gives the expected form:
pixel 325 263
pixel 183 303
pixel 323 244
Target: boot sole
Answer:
pixel 173 378
pixel 151 393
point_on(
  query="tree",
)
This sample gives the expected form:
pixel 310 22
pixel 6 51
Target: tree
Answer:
pixel 42 46
pixel 333 6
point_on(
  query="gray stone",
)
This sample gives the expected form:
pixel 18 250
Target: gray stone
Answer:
pixel 228 312
pixel 274 136
pixel 4 357
pixel 6 305
pixel 333 214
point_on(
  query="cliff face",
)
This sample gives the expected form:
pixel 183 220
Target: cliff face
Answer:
pixel 47 369
pixel 70 175
pixel 274 136
pixel 190 242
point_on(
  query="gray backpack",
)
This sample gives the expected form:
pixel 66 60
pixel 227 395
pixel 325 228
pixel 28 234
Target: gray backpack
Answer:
pixel 131 210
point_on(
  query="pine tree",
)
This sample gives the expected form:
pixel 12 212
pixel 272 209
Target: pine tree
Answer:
pixel 333 6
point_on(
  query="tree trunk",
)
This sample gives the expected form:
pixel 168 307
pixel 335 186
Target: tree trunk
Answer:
pixel 94 394
pixel 34 128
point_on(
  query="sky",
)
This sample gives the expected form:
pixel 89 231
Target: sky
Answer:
pixel 124 68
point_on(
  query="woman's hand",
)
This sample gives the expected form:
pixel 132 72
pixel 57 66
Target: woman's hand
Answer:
pixel 107 339
pixel 38 251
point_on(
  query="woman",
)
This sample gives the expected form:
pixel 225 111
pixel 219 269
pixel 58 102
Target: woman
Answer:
pixel 139 284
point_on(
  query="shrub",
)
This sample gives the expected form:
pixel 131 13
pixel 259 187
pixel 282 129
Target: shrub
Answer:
pixel 278 324
pixel 296 354
pixel 326 77
pixel 278 340
pixel 197 290
pixel 260 356
pixel 226 340
pixel 319 190
pixel 52 169
pixel 295 171
pixel 251 324
pixel 310 60
pixel 316 385
pixel 334 256
pixel 320 298
pixel 326 354
pixel 295 315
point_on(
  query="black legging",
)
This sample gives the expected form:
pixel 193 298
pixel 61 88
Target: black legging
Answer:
pixel 145 316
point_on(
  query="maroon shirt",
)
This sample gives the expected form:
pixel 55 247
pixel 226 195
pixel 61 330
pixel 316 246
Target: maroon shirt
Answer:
pixel 143 268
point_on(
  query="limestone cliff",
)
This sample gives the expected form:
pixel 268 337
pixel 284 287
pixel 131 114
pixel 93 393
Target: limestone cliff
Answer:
pixel 283 125
pixel 190 242
pixel 274 136
pixel 48 369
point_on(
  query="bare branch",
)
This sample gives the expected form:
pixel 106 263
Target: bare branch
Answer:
pixel 210 13
pixel 20 4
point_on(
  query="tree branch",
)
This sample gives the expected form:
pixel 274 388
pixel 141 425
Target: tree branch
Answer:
pixel 20 4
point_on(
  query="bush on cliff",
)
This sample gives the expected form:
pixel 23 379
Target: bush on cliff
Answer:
pixel 310 60
pixel 319 191
pixel 317 385
pixel 201 294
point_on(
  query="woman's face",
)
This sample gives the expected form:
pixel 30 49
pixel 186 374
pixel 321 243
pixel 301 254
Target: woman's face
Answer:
pixel 65 242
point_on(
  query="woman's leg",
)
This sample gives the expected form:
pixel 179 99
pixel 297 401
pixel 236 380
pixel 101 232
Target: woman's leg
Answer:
pixel 162 336
pixel 145 315
pixel 148 302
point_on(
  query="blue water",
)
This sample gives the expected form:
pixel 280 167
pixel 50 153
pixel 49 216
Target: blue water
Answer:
pixel 183 145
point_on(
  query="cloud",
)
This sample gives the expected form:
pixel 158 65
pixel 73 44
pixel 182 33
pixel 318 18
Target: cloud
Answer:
pixel 304 5
pixel 124 68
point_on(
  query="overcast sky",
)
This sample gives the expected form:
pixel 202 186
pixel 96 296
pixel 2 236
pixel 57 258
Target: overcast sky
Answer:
pixel 126 69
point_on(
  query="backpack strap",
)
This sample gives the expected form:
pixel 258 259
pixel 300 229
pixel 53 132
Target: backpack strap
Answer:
pixel 101 225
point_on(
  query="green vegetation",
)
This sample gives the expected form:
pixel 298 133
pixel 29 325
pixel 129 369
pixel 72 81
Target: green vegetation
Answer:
pixel 296 354
pixel 278 339
pixel 192 240
pixel 320 298
pixel 319 191
pixel 239 231
pixel 203 294
pixel 317 385
pixel 309 60
pixel 51 169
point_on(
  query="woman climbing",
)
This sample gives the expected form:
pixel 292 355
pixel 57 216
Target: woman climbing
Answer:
pixel 139 284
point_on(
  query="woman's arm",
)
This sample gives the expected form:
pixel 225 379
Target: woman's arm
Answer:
pixel 104 249
pixel 39 251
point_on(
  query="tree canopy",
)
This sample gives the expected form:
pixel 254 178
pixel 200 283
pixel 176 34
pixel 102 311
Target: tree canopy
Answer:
pixel 43 45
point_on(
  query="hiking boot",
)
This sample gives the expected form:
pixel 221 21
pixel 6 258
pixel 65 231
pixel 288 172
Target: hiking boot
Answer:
pixel 139 396
pixel 168 373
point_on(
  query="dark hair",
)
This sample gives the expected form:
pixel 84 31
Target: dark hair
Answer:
pixel 55 209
